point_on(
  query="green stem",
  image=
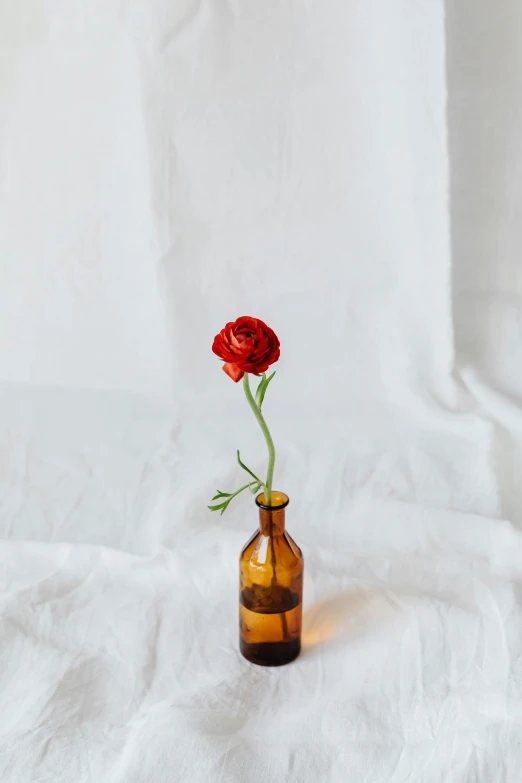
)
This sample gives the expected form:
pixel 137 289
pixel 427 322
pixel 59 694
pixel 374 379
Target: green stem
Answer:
pixel 266 432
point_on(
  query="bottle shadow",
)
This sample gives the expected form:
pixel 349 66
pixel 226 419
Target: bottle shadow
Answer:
pixel 361 611
pixel 343 615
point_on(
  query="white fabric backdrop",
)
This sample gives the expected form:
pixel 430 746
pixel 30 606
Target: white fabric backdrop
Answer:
pixel 349 172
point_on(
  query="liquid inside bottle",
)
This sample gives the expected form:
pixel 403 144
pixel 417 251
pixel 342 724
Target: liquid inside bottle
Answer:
pixel 271 589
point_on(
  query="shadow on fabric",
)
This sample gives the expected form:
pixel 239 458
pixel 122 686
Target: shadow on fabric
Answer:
pixel 344 615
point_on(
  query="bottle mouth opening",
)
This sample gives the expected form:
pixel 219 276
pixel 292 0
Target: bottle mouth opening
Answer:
pixel 278 501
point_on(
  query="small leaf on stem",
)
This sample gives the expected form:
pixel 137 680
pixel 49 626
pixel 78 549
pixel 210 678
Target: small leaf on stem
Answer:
pixel 261 389
pixel 229 497
pixel 221 494
pixel 247 469
pixel 216 508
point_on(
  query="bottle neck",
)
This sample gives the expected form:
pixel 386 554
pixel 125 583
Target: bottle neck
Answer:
pixel 272 523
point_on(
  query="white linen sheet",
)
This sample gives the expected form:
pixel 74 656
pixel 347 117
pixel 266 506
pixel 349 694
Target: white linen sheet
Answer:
pixel 347 171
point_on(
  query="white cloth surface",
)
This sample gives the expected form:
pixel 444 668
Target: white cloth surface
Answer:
pixel 347 171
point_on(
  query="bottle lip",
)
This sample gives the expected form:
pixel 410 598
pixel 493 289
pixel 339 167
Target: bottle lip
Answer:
pixel 285 500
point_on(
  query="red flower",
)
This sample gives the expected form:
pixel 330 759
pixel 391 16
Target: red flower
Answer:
pixel 246 345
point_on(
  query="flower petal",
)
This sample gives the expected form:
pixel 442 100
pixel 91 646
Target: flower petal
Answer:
pixel 233 371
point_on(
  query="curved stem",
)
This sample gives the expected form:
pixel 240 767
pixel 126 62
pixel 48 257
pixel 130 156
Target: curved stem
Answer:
pixel 266 432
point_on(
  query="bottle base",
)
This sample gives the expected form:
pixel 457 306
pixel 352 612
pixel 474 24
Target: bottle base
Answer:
pixel 271 653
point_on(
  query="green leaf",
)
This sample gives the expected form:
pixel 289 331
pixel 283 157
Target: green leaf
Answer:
pixel 221 494
pixel 255 488
pixel 223 506
pixel 247 469
pixel 261 389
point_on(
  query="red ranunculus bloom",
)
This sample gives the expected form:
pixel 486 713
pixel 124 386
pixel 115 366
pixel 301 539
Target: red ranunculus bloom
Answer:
pixel 246 345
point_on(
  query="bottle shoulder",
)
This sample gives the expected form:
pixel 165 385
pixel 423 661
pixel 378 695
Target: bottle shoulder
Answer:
pixel 259 551
pixel 250 545
pixel 294 547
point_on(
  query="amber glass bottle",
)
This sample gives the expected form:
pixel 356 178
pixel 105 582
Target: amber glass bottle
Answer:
pixel 271 589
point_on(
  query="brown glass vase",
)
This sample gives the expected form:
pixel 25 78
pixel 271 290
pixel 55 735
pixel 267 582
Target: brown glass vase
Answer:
pixel 271 589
